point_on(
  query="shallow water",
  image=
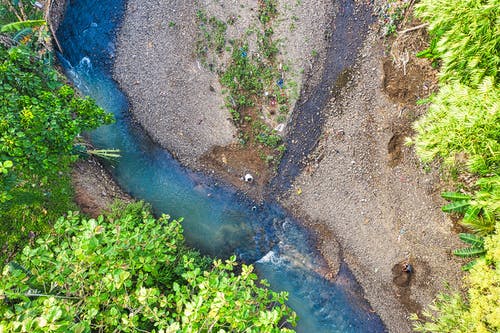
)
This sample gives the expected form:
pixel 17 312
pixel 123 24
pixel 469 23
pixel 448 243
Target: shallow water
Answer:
pixel 218 220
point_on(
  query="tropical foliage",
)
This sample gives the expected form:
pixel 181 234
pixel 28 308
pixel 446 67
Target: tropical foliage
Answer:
pixel 40 117
pixel 126 272
pixel 129 272
pixel 467 37
pixel 462 127
pixel 462 124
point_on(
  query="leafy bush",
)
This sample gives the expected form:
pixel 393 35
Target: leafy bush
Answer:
pixel 40 117
pixel 462 120
pixel 463 125
pixel 481 209
pixel 130 272
pixel 469 37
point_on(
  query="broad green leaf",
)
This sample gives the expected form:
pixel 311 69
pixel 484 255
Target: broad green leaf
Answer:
pixel 16 26
pixel 457 206
pixel 469 252
pixel 473 240
pixel 455 196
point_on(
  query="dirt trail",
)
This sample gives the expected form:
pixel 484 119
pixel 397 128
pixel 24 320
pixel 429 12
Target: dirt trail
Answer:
pixel 370 193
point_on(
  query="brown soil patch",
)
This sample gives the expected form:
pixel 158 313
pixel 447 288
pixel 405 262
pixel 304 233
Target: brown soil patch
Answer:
pixel 408 78
pixel 232 162
pixel 95 190
pixel 404 273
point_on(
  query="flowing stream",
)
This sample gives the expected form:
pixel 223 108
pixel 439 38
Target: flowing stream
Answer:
pixel 218 220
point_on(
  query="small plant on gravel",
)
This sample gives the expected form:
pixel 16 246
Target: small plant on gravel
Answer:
pixel 213 35
pixel 267 10
pixel 253 79
pixel 391 15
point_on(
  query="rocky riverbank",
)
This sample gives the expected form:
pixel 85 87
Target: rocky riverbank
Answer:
pixel 179 100
pixel 363 189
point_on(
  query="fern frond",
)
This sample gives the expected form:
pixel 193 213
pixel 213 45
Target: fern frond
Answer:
pixel 469 252
pixel 472 239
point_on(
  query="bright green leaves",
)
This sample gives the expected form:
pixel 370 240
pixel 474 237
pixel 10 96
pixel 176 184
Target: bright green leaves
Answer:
pixel 481 311
pixel 4 188
pixel 40 116
pixel 130 272
pixel 17 26
pixel 476 249
pixel 468 37
pixel 462 128
pixel 462 124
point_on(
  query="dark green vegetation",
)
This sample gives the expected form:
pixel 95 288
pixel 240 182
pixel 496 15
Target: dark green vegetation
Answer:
pixel 40 117
pixel 462 128
pixel 130 272
pixel 256 95
pixel 126 272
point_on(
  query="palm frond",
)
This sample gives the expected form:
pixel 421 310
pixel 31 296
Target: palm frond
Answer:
pixel 456 206
pixel 104 153
pixel 469 265
pixel 455 196
pixel 472 214
pixel 20 25
pixel 482 225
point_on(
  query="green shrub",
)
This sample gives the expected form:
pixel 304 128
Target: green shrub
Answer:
pixel 469 37
pixel 462 120
pixel 463 125
pixel 130 272
pixel 40 117
pixel 480 210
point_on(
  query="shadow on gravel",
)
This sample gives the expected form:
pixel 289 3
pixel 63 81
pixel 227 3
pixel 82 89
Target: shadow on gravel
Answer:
pixel 349 28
